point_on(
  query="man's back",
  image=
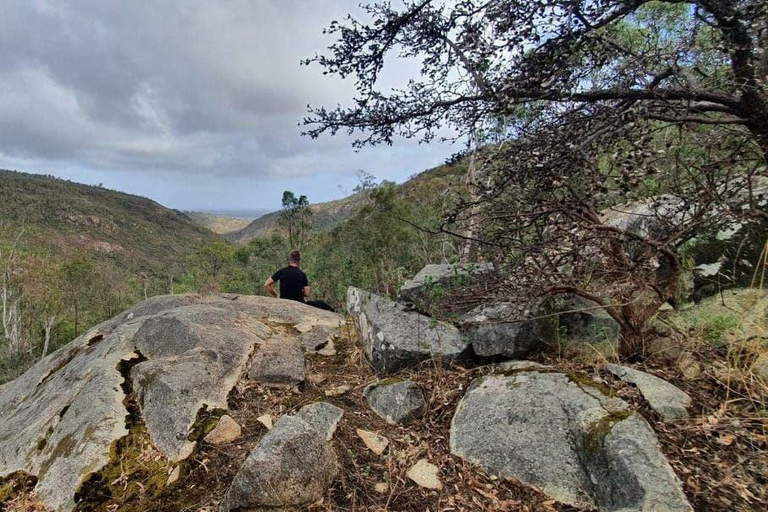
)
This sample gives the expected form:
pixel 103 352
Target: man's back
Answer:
pixel 292 282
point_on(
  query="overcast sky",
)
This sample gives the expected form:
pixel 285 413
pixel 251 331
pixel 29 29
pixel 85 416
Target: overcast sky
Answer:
pixel 193 103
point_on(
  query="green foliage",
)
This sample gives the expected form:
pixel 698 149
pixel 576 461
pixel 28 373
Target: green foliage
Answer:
pixel 716 327
pixel 295 218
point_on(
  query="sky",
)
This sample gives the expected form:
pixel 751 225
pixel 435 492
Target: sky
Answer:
pixel 193 103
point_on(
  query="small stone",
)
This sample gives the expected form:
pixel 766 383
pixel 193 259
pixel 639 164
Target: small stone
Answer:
pixel 174 476
pixel 381 488
pixel 396 401
pixel 316 379
pixel 689 367
pixel 322 416
pixel 328 350
pixel 338 390
pixel 376 443
pixel 265 420
pixel 226 431
pixel 425 474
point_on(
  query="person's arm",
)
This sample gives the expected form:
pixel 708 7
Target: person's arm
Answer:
pixel 305 289
pixel 306 292
pixel 270 286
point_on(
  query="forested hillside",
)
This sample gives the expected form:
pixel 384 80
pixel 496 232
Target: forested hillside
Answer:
pixel 72 255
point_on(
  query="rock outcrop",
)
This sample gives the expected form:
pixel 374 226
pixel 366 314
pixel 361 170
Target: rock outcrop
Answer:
pixel 176 355
pixel 669 401
pixel 394 338
pixel 580 446
pixel 396 401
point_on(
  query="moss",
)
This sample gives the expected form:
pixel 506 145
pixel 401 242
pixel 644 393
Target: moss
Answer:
pixel 136 474
pixel 205 422
pixel 43 442
pixel 582 379
pixel 14 485
pixel 594 437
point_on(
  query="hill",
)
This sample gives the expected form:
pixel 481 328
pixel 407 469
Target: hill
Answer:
pixel 73 255
pixel 219 224
pixel 121 230
pixel 331 214
pixel 326 216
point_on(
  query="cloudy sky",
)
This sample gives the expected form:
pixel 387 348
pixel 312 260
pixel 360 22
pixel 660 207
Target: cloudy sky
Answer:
pixel 194 103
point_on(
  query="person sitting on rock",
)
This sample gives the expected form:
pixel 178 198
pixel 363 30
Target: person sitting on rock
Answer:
pixel 294 284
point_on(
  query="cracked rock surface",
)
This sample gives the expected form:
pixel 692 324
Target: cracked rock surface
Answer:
pixel 59 420
pixel 581 447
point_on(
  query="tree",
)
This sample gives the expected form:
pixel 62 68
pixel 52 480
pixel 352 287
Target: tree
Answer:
pixel 10 292
pixel 367 181
pixel 664 103
pixel 296 218
pixel 213 258
pixel 77 277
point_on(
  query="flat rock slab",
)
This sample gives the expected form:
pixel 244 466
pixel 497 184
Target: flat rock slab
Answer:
pixel 322 416
pixel 666 399
pixel 439 278
pixel 374 442
pixel 318 338
pixel 395 339
pixel 177 353
pixel 581 447
pixel 396 401
pixel 292 466
pixel 507 329
pixel 425 474
pixel 279 363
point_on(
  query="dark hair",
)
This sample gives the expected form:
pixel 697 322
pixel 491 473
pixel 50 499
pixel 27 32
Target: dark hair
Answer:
pixel 294 257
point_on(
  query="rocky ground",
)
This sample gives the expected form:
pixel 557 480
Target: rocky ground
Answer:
pixel 393 451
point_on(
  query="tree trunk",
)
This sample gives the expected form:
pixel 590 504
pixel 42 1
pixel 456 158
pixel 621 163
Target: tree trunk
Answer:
pixel 49 324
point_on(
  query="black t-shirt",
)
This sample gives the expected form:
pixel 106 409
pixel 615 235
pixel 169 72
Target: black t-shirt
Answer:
pixel 292 282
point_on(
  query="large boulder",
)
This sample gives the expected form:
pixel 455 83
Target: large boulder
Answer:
pixel 435 280
pixel 395 338
pixel 564 436
pixel 396 401
pixel 292 465
pixel 666 399
pixel 507 329
pixel 176 355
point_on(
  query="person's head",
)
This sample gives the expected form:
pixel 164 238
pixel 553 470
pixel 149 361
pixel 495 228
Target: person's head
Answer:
pixel 294 258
